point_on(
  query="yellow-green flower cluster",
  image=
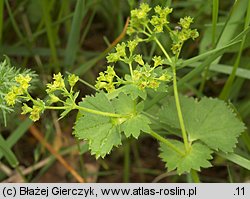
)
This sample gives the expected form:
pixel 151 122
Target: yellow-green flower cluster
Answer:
pixel 122 51
pixel 35 111
pixel 149 77
pixel 21 92
pixel 179 36
pixel 16 91
pixel 159 21
pixel 139 19
pixel 158 61
pixel 142 22
pixel 73 79
pixel 106 80
pixel 57 84
pixel 58 87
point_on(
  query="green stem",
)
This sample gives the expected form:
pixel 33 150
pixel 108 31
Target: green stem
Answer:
pixel 165 141
pixel 179 112
pixel 176 95
pixel 126 164
pixel 56 107
pixel 107 114
pixel 195 176
pixel 214 21
pixel 131 70
pixel 99 112
pixel 163 50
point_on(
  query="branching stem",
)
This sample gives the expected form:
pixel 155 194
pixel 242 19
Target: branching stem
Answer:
pixel 176 95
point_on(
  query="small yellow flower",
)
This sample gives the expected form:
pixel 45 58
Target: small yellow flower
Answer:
pixel 23 81
pixel 73 79
pixel 10 98
pixel 51 88
pixel 53 98
pixel 17 90
pixel 59 81
pixel 157 61
pixel 35 113
pixel 139 60
pixel 26 109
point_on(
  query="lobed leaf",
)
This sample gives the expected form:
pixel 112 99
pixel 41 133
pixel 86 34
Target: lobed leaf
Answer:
pixel 209 120
pixel 100 132
pixel 136 122
pixel 198 156
pixel 103 132
pixel 135 125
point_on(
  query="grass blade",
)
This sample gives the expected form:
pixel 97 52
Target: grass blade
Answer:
pixel 14 23
pixel 74 36
pixel 227 87
pixel 8 154
pixel 214 20
pixel 50 33
pixel 17 134
pixel 226 69
pixel 1 19
pixel 237 159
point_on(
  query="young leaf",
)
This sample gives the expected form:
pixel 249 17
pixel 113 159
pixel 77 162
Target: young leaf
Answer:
pixel 209 120
pixel 136 122
pixel 198 156
pixel 135 125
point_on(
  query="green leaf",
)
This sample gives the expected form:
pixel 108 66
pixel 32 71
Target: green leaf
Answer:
pixel 135 125
pixel 196 157
pixel 134 91
pixel 100 132
pixel 98 102
pixel 209 120
pixel 64 113
pixel 124 104
pixel 136 122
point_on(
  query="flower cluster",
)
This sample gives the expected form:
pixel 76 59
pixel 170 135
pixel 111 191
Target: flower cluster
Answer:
pixel 37 108
pixel 18 90
pixel 182 33
pixel 141 21
pixel 106 80
pixel 159 21
pixel 143 76
pixel 58 87
pixel 122 50
pixel 146 76
pixel 57 84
